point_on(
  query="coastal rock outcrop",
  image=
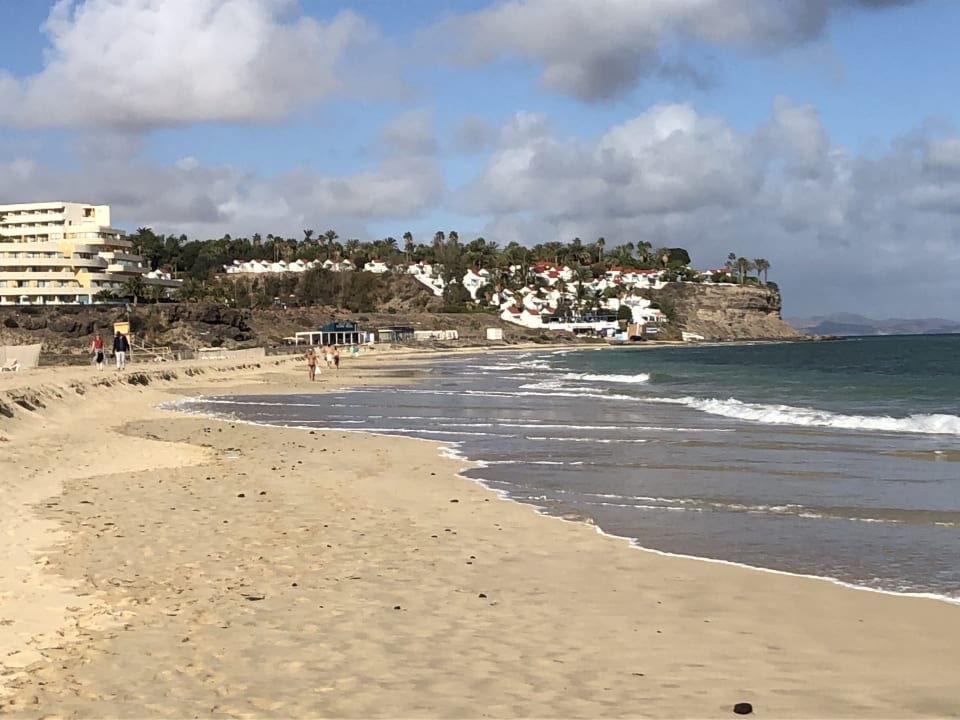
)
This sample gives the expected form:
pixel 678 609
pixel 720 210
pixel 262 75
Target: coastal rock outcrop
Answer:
pixel 726 312
pixel 68 329
pixel 714 312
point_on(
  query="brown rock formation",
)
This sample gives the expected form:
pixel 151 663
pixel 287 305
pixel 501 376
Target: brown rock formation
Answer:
pixel 726 312
pixel 717 312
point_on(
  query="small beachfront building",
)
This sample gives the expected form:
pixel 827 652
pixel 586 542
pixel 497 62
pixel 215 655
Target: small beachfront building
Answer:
pixel 341 332
pixel 395 334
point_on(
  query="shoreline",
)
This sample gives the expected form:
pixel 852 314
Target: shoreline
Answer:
pixel 634 543
pixel 414 375
pixel 645 633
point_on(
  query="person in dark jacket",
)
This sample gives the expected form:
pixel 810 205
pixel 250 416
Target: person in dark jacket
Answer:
pixel 120 349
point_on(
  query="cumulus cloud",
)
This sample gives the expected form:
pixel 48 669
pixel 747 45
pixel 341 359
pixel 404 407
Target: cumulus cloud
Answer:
pixel 139 64
pixel 400 187
pixel 823 216
pixel 473 134
pixel 665 160
pixel 208 201
pixel 411 133
pixel 943 155
pixel 599 49
pixel 796 133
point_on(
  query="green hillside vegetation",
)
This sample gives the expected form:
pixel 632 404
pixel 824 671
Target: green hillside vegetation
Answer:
pixel 200 264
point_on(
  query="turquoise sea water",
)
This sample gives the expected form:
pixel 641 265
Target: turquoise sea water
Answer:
pixel 835 459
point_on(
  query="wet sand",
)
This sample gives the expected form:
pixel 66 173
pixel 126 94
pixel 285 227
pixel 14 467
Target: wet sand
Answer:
pixel 163 565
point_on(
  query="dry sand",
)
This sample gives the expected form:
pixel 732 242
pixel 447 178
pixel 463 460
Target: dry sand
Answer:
pixel 162 565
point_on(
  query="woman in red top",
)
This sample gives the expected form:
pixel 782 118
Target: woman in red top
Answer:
pixel 98 351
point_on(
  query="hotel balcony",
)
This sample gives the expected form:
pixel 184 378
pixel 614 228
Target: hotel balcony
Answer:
pixel 8 265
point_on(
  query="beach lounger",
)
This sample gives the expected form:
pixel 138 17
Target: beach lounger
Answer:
pixel 11 365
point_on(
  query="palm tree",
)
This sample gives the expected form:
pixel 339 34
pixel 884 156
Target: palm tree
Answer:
pixel 326 243
pixel 311 245
pixel 663 255
pixel 762 266
pixel 188 291
pixel 601 244
pixel 643 252
pixel 575 251
pixel 480 253
pixel 731 263
pixel 584 280
pixel 743 267
pixel 133 287
pixel 408 245
pixel 386 249
pixel 351 247
pixel 552 251
pixel 621 255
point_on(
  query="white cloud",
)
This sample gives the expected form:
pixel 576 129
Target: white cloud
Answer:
pixel 830 222
pixel 208 201
pixel 665 160
pixel 875 234
pixel 396 189
pixel 473 134
pixel 411 133
pixel 138 64
pixel 796 133
pixel 598 49
pixel 943 154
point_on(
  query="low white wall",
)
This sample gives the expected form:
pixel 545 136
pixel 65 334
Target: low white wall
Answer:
pixel 27 355
pixel 436 335
pixel 223 354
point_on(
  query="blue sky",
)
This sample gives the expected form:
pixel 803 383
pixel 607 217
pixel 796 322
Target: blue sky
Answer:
pixel 818 134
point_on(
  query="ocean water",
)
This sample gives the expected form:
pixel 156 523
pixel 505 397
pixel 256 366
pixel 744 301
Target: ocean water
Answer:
pixel 835 459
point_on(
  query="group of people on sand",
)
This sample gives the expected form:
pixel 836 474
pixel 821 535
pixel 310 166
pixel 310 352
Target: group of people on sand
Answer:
pixel 121 346
pixel 329 353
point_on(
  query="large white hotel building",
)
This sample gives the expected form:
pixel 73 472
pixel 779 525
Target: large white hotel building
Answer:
pixel 63 252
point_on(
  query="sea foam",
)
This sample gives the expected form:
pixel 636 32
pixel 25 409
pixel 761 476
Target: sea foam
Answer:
pixel 934 424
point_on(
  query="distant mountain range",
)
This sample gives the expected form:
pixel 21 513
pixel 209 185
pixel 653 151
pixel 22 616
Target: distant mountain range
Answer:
pixel 851 324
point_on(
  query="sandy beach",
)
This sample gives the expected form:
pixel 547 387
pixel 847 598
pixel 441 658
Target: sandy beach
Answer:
pixel 158 564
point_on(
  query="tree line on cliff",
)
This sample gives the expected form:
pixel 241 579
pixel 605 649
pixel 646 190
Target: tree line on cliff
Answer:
pixel 200 262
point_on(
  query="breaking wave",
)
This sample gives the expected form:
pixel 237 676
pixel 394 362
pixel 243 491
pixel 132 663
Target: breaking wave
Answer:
pixel 933 424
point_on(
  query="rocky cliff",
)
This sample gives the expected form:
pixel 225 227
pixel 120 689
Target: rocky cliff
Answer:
pixel 725 312
pixel 716 312
pixel 66 332
pixel 70 328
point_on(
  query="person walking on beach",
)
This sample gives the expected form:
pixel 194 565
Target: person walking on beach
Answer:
pixel 336 357
pixel 312 363
pixel 328 355
pixel 121 346
pixel 97 349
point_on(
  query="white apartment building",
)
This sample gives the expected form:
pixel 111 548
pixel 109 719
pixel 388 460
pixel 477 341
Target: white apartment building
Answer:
pixel 61 252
